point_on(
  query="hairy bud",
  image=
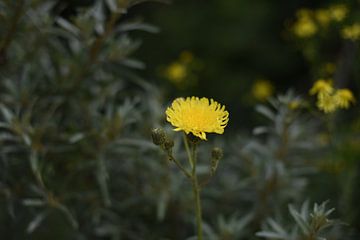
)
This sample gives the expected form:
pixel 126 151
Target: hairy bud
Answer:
pixel 169 144
pixel 216 155
pixel 158 136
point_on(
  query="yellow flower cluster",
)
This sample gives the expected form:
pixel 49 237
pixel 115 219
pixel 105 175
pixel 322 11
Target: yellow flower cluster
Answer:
pixel 180 71
pixel 351 32
pixel 330 99
pixel 308 21
pixel 338 12
pixel 262 89
pixel 176 72
pixel 305 25
pixel 197 116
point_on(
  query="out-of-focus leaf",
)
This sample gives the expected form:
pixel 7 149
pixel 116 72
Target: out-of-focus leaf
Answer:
pixel 68 26
pixel 33 202
pixel 7 114
pixel 265 111
pixel 125 27
pixel 260 130
pixel 271 235
pixel 133 63
pixel 35 223
pixel 162 205
pixel 76 138
pixel 299 220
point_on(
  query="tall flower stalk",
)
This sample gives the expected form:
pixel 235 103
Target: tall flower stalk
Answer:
pixel 195 117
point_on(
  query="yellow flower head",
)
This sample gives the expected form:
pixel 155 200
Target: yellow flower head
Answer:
pixel 344 97
pixel 328 68
pixel 304 26
pixel 197 116
pixel 323 16
pixel 321 87
pixel 295 104
pixel 262 89
pixel 338 12
pixel 351 32
pixel 326 103
pixel 176 72
pixel 186 57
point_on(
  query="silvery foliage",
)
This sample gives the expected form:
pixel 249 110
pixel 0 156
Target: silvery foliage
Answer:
pixel 307 223
pixel 74 122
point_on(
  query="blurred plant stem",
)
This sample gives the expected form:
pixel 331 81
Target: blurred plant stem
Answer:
pixel 195 185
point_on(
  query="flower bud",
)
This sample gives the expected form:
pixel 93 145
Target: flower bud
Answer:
pixel 217 153
pixel 158 136
pixel 169 144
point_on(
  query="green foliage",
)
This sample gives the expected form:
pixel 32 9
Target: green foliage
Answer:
pixel 76 156
pixel 308 225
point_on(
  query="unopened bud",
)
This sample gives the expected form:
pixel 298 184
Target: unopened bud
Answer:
pixel 169 144
pixel 158 136
pixel 217 153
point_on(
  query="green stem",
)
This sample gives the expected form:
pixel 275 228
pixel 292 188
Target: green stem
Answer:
pixel 188 150
pixel 178 164
pixel 196 191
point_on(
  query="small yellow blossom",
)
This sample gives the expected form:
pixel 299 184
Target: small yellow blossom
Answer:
pixel 351 32
pixel 176 72
pixel 186 57
pixel 321 87
pixel 323 16
pixel 329 99
pixel 197 116
pixel 304 26
pixel 344 97
pixel 295 104
pixel 328 68
pixel 326 103
pixel 338 12
pixel 262 89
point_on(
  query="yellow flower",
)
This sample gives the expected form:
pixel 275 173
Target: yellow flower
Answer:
pixel 176 72
pixel 262 89
pixel 321 87
pixel 351 32
pixel 304 26
pixel 323 16
pixel 338 12
pixel 295 104
pixel 328 68
pixel 197 116
pixel 186 57
pixel 327 103
pixel 344 97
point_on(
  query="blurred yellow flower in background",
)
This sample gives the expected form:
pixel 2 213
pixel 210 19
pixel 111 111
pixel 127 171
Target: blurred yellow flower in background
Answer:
pixel 328 68
pixel 338 12
pixel 186 57
pixel 182 72
pixel 197 116
pixel 176 72
pixel 262 89
pixel 330 99
pixel 344 97
pixel 304 26
pixel 295 104
pixel 322 87
pixel 351 32
pixel 323 16
pixel 326 103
